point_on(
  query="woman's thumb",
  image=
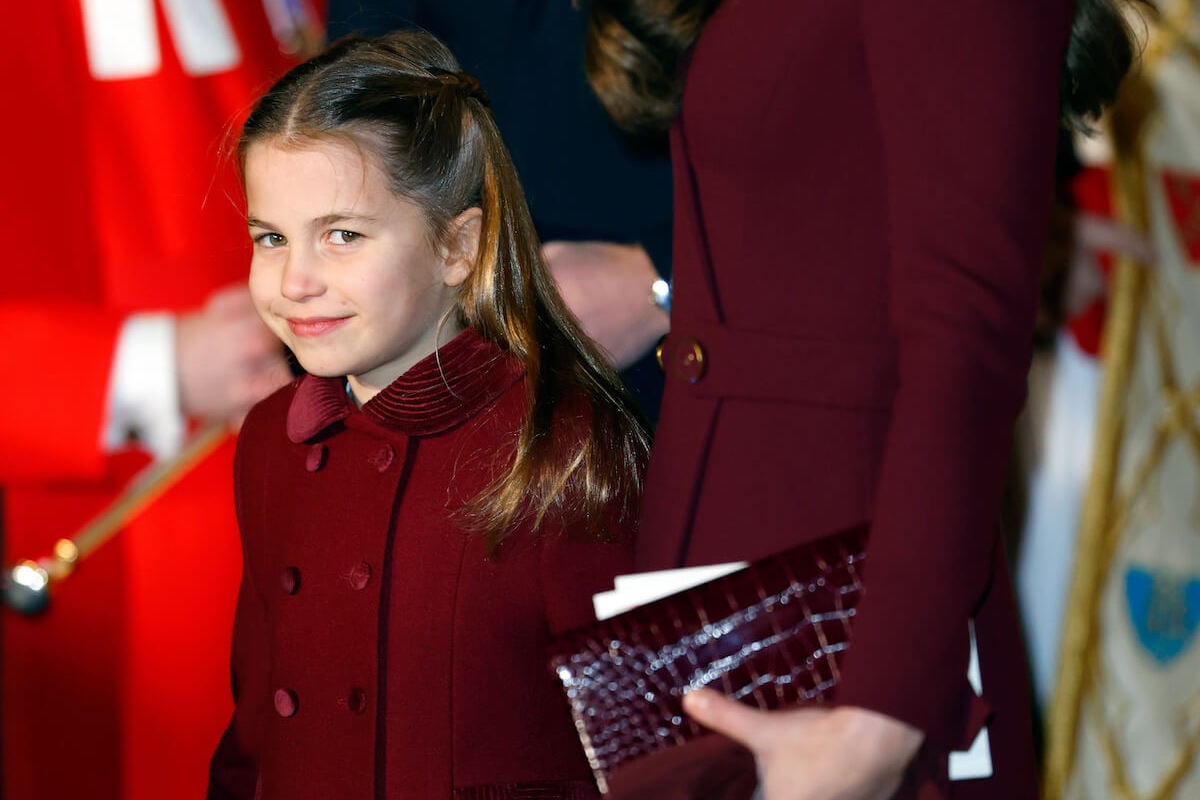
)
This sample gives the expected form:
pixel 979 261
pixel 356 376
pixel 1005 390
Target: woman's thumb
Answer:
pixel 717 712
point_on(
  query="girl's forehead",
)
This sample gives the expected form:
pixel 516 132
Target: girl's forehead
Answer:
pixel 289 184
pixel 337 154
pixel 314 171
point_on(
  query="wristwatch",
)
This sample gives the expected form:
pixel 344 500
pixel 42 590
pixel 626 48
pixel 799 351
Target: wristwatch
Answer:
pixel 660 295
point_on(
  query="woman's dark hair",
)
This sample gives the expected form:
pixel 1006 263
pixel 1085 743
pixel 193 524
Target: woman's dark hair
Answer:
pixel 1100 52
pixel 632 56
pixel 634 46
pixel 402 100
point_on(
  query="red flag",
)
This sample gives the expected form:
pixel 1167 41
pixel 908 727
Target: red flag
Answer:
pixel 1183 198
pixel 117 199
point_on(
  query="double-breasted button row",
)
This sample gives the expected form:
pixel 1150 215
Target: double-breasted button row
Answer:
pixel 356 701
pixel 289 580
pixel 382 458
pixel 287 702
pixel 357 576
pixel 316 457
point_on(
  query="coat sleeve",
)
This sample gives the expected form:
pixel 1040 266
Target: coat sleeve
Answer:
pixel 967 103
pixel 233 772
pixel 572 571
pixel 58 358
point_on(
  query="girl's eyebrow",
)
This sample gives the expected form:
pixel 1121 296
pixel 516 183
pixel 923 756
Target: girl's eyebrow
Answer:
pixel 339 216
pixel 319 222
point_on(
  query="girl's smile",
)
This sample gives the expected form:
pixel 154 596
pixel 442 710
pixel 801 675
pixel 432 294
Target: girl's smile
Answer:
pixel 314 326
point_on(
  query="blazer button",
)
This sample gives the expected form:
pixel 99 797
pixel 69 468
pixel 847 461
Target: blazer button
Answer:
pixel 289 580
pixel 356 701
pixel 286 702
pixel 382 458
pixel 360 575
pixel 683 358
pixel 316 457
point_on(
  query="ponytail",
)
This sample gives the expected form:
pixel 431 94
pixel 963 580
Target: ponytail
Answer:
pixel 583 446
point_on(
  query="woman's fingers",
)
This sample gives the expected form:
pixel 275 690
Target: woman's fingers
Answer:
pixel 814 753
pixel 713 710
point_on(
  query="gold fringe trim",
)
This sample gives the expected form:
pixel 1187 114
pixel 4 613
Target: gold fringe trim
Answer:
pixel 1097 534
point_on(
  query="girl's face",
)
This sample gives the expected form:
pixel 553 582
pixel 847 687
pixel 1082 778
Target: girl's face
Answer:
pixel 344 271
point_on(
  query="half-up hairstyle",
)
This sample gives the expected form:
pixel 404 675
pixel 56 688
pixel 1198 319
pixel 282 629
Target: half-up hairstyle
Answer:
pixel 633 50
pixel 403 99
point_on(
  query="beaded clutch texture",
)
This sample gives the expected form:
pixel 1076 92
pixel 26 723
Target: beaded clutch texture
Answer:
pixel 769 634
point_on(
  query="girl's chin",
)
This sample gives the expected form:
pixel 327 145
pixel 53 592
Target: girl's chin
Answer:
pixel 323 373
pixel 320 368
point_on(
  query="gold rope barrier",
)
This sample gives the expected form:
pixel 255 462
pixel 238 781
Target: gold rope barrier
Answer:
pixel 1097 533
pixel 28 582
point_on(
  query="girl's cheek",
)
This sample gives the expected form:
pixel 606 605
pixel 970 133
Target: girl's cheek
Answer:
pixel 261 292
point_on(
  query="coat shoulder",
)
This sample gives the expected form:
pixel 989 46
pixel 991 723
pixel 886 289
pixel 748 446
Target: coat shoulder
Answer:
pixel 268 417
pixel 265 428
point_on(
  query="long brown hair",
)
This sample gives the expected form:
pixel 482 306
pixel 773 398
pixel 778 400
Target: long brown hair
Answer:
pixel 404 99
pixel 633 49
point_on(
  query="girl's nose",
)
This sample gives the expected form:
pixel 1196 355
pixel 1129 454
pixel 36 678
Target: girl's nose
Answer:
pixel 301 278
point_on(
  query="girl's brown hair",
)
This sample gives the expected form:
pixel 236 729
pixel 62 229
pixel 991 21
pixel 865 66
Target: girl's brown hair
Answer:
pixel 633 50
pixel 403 99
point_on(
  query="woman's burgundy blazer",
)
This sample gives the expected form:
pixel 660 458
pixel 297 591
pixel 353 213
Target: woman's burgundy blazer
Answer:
pixel 861 200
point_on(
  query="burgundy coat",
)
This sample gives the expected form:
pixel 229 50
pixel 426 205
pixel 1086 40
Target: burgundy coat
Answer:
pixel 861 199
pixel 378 651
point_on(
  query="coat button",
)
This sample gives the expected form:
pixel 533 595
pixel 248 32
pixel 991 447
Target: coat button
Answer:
pixel 356 701
pixel 289 580
pixel 360 575
pixel 286 702
pixel 382 458
pixel 683 358
pixel 316 457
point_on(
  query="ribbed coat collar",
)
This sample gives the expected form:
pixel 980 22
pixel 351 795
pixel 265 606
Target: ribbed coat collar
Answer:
pixel 439 392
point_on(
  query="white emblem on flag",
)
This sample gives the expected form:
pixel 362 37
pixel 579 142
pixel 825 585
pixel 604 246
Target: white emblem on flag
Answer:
pixel 123 40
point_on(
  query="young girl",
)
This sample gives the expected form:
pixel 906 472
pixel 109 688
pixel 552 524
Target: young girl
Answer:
pixel 452 481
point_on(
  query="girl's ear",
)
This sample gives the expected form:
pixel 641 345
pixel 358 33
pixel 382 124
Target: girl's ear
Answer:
pixel 461 247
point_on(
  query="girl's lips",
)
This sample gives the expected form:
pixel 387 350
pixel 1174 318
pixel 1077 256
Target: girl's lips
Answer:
pixel 314 326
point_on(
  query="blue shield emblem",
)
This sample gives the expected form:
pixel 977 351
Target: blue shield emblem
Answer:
pixel 1164 608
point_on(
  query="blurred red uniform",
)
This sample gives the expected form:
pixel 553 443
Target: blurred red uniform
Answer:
pixel 117 200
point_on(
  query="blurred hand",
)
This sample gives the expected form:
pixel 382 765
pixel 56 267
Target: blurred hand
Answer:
pixel 1093 235
pixel 227 359
pixel 842 753
pixel 607 287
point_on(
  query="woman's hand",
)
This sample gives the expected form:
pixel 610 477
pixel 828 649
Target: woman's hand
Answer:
pixel 842 753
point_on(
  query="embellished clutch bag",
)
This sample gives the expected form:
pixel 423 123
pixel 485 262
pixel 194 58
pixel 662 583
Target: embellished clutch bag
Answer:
pixel 769 634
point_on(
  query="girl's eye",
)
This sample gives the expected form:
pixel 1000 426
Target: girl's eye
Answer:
pixel 270 240
pixel 343 237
